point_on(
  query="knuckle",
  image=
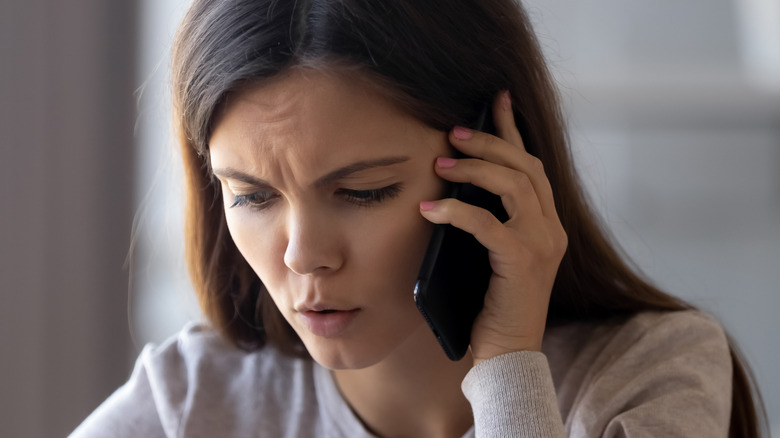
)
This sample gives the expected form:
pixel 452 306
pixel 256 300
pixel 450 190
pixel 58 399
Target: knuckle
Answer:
pixel 564 242
pixel 548 247
pixel 521 181
pixel 536 164
pixel 551 245
pixel 489 145
pixel 484 219
pixel 560 241
pixel 446 206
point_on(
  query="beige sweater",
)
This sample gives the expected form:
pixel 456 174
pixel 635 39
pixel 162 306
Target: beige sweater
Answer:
pixel 655 375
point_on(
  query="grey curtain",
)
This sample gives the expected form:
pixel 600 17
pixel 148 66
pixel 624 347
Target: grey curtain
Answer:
pixel 66 133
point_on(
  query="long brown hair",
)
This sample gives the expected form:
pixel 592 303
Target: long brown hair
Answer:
pixel 442 62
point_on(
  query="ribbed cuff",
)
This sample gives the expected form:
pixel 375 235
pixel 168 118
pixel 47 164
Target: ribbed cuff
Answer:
pixel 512 395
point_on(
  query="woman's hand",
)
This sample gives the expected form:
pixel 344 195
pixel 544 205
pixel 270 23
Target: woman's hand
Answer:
pixel 525 251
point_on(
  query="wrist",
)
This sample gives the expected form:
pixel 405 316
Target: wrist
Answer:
pixel 487 352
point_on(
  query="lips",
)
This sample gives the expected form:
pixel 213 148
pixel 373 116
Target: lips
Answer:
pixel 327 323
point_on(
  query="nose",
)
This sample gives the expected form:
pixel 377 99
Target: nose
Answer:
pixel 314 245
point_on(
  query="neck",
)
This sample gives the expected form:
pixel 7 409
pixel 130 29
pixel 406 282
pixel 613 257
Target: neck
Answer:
pixel 413 392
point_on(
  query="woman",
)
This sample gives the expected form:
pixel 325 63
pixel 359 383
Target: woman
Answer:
pixel 316 138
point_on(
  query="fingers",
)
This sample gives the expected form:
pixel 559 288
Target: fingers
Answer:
pixel 515 188
pixel 479 222
pixel 506 150
pixel 525 251
pixel 504 120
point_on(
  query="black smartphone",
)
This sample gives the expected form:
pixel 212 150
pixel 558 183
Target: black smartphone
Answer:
pixel 455 272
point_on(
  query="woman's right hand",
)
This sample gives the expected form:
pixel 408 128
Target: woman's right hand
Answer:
pixel 525 251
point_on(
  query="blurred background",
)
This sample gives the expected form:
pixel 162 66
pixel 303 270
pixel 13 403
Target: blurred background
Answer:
pixel 674 112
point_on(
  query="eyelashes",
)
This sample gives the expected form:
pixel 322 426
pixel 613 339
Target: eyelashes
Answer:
pixel 257 200
pixel 366 198
pixel 360 198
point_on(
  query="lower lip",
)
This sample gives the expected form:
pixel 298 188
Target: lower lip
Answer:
pixel 328 325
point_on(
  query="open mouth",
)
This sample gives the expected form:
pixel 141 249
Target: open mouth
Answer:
pixel 328 322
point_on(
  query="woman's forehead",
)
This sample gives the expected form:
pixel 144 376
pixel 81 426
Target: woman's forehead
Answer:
pixel 311 120
pixel 310 96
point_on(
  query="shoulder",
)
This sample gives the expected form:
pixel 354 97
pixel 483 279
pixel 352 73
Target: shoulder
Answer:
pixel 198 372
pixel 680 341
pixel 196 381
pixel 667 369
pixel 658 334
pixel 203 353
pixel 679 326
pixel 199 356
pixel 640 334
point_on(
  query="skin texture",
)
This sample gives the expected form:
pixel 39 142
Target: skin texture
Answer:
pixel 322 240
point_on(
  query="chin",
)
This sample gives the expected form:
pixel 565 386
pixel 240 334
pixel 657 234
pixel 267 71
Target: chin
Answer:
pixel 364 350
pixel 343 356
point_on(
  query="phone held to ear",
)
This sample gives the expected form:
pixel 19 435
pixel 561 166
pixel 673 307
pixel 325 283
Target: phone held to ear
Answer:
pixel 455 272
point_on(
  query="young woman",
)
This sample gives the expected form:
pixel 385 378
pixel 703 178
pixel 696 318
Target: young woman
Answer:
pixel 317 137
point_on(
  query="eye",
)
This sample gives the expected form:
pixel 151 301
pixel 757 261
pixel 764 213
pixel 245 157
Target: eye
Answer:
pixel 369 197
pixel 257 200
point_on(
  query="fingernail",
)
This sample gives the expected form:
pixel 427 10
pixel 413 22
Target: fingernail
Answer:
pixel 446 162
pixel 427 205
pixel 507 101
pixel 462 133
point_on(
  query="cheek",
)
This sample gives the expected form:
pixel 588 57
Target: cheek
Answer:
pixel 257 242
pixel 395 249
pixel 399 245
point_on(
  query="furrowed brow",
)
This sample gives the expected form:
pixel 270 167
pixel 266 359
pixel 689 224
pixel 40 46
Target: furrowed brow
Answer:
pixel 230 173
pixel 357 167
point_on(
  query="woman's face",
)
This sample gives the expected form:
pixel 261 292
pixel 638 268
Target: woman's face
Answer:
pixel 322 179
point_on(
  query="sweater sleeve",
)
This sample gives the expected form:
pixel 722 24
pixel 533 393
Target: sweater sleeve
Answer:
pixel 129 412
pixel 512 395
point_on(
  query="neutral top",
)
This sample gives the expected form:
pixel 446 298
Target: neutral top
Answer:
pixel 654 375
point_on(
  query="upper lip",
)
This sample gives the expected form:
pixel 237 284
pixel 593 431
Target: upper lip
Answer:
pixel 317 299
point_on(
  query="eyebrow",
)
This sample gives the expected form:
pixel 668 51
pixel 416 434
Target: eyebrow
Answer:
pixel 342 172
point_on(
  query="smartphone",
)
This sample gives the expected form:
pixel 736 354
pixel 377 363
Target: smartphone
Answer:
pixel 455 272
